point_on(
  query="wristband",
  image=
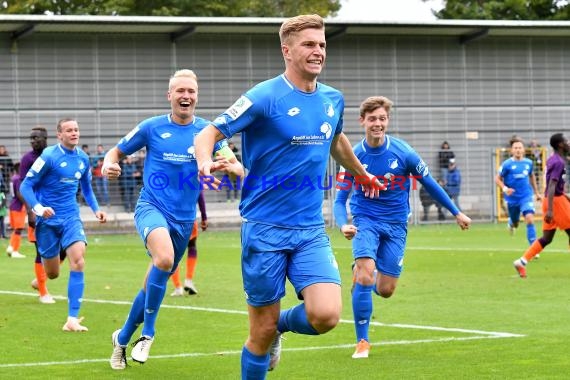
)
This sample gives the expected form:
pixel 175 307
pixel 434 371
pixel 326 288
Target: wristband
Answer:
pixel 39 209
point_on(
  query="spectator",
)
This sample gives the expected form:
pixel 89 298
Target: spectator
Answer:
pixel 427 201
pixel 445 155
pixel 453 182
pixel 101 182
pixel 3 212
pixel 129 181
pixel 6 167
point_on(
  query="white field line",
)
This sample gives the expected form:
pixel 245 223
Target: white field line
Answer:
pixel 464 249
pixel 479 334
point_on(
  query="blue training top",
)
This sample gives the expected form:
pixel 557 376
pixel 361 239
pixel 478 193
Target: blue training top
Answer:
pixel 397 166
pixel 53 181
pixel 170 177
pixel 286 140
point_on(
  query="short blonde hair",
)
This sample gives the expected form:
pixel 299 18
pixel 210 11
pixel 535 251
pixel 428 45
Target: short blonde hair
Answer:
pixel 294 25
pixel 184 73
pixel 374 102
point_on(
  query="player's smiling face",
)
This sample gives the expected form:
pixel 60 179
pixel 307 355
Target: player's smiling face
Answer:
pixel 305 52
pixel 68 134
pixel 375 125
pixel 183 97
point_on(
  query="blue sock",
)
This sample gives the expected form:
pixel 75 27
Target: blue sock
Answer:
pixel 295 319
pixel 530 233
pixel 75 288
pixel 135 318
pixel 362 309
pixel 155 290
pixel 253 367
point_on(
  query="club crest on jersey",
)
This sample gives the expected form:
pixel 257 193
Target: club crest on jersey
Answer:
pixel 329 109
pixel 238 108
pixel 392 163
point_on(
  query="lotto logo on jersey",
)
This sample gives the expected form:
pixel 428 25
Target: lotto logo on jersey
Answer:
pixel 239 107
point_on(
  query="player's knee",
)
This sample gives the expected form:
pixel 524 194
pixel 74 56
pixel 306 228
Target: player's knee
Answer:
pixel 324 321
pixel 365 277
pixel 164 262
pixel 52 275
pixel 386 291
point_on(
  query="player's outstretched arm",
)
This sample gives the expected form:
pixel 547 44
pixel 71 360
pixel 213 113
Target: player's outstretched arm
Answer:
pixel 111 168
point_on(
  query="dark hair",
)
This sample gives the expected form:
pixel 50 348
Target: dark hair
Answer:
pixel 555 140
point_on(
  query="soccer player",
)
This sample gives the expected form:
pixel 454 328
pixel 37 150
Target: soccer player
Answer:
pixel 166 208
pixel 50 187
pixel 38 141
pixel 517 181
pixel 379 226
pixel 555 204
pixel 192 257
pixel 289 125
pixel 17 216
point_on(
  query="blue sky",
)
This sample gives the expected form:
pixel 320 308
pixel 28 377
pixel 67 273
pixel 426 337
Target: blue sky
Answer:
pixel 392 10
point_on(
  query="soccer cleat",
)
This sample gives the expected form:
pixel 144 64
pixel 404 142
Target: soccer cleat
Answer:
pixel 362 350
pixel 141 349
pixel 119 356
pixel 73 324
pixel 16 255
pixel 190 288
pixel 536 257
pixel 34 284
pixel 178 292
pixel 47 299
pixel 275 351
pixel 520 268
pixel 9 250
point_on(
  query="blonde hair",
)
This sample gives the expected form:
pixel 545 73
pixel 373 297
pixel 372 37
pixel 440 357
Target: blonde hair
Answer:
pixel 294 25
pixel 184 73
pixel 62 121
pixel 374 102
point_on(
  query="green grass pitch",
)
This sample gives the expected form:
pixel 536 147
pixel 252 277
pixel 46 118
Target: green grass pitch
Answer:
pixel 460 312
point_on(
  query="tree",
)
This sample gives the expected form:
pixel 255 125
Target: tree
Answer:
pixel 505 10
pixel 205 8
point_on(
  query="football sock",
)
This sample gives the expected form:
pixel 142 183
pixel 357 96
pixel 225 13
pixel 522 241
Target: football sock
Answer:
pixel 534 249
pixel 75 288
pixel 530 233
pixel 253 366
pixel 176 278
pixel 295 319
pixel 155 289
pixel 41 277
pixel 362 309
pixel 134 319
pixel 16 239
pixel 191 262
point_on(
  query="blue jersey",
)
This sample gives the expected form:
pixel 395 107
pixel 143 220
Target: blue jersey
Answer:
pixel 170 179
pixel 286 140
pixel 515 174
pixel 397 166
pixel 53 181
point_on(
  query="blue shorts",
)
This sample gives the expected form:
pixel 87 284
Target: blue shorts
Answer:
pixel 271 254
pixel 382 242
pixel 524 206
pixel 148 217
pixel 52 238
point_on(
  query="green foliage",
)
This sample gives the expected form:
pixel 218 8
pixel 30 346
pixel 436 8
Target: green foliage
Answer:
pixel 505 10
pixel 202 8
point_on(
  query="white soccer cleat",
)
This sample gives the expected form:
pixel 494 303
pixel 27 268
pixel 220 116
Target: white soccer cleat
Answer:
pixel 16 255
pixel 47 299
pixel 73 324
pixel 141 349
pixel 178 292
pixel 275 351
pixel 34 284
pixel 190 288
pixel 9 250
pixel 362 350
pixel 119 356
